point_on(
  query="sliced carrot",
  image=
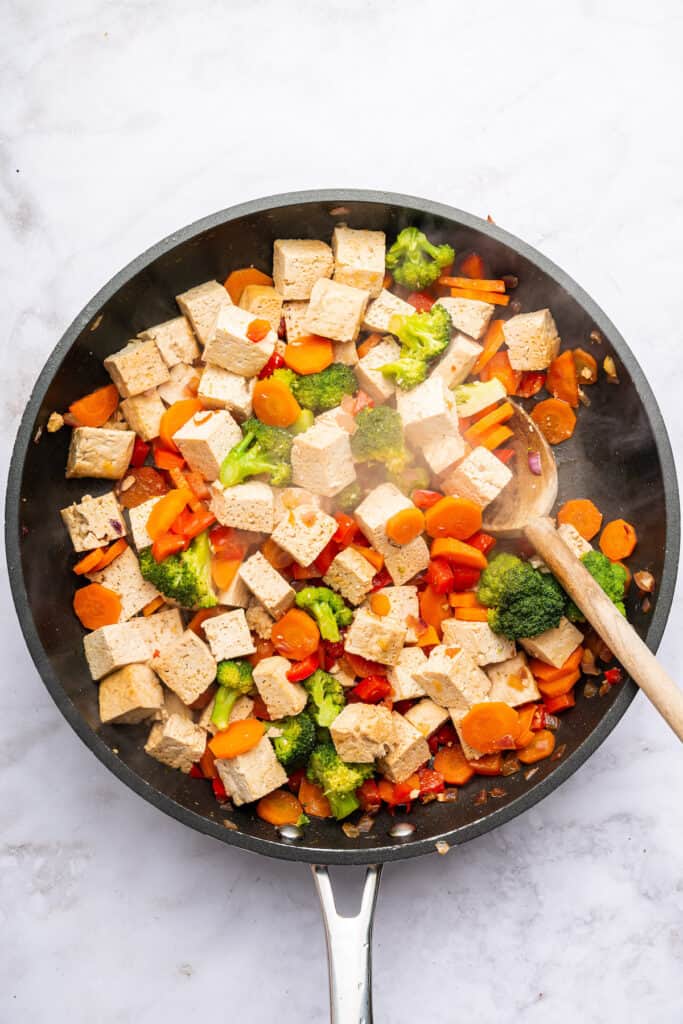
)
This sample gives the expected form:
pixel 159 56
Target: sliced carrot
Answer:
pixel 313 800
pixel 97 606
pixel 112 552
pixel 467 599
pixel 526 717
pixel 495 298
pixel 374 557
pixel 152 606
pixel 207 763
pixel 181 480
pixel 495 437
pixel 500 414
pixel 586 367
pixel 295 635
pixel 258 330
pixel 434 608
pixel 458 553
pixel 88 562
pixel 493 340
pixel 387 281
pixel 380 604
pixel 561 379
pixel 167 544
pixel 477 283
pixel 197 484
pixel 274 403
pixel 618 539
pixel 94 410
pixel 541 670
pixel 540 747
pixel 175 417
pixel 473 266
pixel 555 419
pixel 166 511
pixel 279 808
pixel 458 518
pixel 453 765
pixel 472 614
pixel 309 354
pixel 165 459
pixel 489 764
pixel 237 281
pixel 405 526
pixel 490 727
pixel 273 553
pixel 582 515
pixel 238 738
pixel 224 570
pixel 367 346
pixel 428 638
pixel 195 623
pixel 499 366
pixel 562 684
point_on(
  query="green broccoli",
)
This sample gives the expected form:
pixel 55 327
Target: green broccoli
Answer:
pixel 492 578
pixel 379 438
pixel 263 449
pixel 415 262
pixel 350 497
pixel 184 577
pixel 527 601
pixel 235 678
pixel 326 697
pixel 477 395
pixel 297 739
pixel 612 578
pixel 303 422
pixel 327 608
pixel 423 337
pixel 412 478
pixel 320 391
pixel 338 779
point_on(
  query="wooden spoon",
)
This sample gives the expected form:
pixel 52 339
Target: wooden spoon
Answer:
pixel 617 633
pixel 528 494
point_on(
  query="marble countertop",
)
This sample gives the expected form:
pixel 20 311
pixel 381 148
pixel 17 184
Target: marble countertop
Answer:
pixel 122 121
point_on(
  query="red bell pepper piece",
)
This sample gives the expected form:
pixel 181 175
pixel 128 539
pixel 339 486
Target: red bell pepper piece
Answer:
pixel 361 401
pixel 614 676
pixel 219 790
pixel 425 499
pixel 440 576
pixel 431 781
pixel 274 363
pixel 505 454
pixel 295 779
pixel 464 578
pixel 168 544
pixel 326 557
pixel 421 301
pixel 445 736
pixel 303 669
pixel 403 705
pixel 372 689
pixel 382 579
pixel 405 792
pixel 531 383
pixel 554 704
pixel 368 795
pixel 165 459
pixel 347 528
pixel 538 721
pixel 482 541
pixel 140 453
pixel 227 543
pixel 196 772
pixel 191 524
pixel 259 709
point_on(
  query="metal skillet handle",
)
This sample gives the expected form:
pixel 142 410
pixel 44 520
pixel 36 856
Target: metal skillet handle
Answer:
pixel 349 949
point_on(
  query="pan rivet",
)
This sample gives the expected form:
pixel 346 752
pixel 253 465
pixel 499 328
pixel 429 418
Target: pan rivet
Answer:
pixel 290 832
pixel 401 830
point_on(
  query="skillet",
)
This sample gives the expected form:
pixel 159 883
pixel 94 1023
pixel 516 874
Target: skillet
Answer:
pixel 620 456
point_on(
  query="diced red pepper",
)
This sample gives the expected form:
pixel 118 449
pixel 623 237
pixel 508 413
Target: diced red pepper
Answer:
pixel 538 721
pixel 333 651
pixel 464 578
pixel 196 772
pixel 301 572
pixel 482 541
pixel 361 401
pixel 445 736
pixel 219 790
pixel 282 329
pixel 168 544
pixel 371 690
pixel 259 709
pixel 368 795
pixel 362 667
pixel 421 301
pixel 614 676
pixel 440 576
pixel 505 454
pixel 326 557
pixel 295 779
pixel 274 363
pixel 191 524
pixel 403 705
pixel 554 704
pixel 531 383
pixel 405 792
pixel 382 579
pixel 140 453
pixel 303 669
pixel 425 499
pixel 165 459
pixel 431 781
pixel 347 528
pixel 227 543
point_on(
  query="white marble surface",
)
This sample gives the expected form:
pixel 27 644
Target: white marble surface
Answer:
pixel 122 121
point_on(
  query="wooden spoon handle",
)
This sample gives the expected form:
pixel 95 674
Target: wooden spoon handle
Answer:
pixel 617 633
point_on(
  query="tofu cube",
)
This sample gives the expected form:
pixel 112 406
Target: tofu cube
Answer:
pixel 573 539
pixel 304 532
pixel 129 696
pixel 359 258
pixel 444 452
pixel 478 395
pixel 471 753
pixel 457 362
pixel 180 384
pixel 403 609
pixel 231 348
pixel 374 638
pixel 480 476
pixel 201 305
pixel 362 732
pixel 427 411
pixel 111 647
pixel 452 679
pixel 176 742
pixel 139 517
pixel 173 706
pixel 281 697
pixel 479 641
pixel 143 414
pixel 206 439
pixel 221 389
pixel 236 595
pixel 186 665
pixel 335 310
pixel 298 263
pixel 337 417
pixel 264 302
pixel 250 776
pixel 351 575
pixel 99 453
pixel 383 502
pixel 345 352
pixel 380 311
pixel 258 619
pixel 368 372
pixel 93 522
pixel 554 645
pixel 427 717
pixel 228 635
pixel 403 563
pixel 247 506
pixel 408 751
pixel 295 316
pixel 267 585
pixel 123 576
pixel 469 315
pixel 289 498
pixel 404 685
pixel 174 339
pixel 322 461
pixel 532 340
pixel 136 368
pixel 512 682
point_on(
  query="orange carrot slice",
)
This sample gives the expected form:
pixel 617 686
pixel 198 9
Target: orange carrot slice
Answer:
pixel 97 606
pixel 94 410
pixel 555 419
pixel 491 727
pixel 274 403
pixel 582 515
pixel 309 354
pixel 405 526
pixel 238 738
pixel 453 517
pixel 618 540
pixel 175 417
pixel 279 808
pixel 237 281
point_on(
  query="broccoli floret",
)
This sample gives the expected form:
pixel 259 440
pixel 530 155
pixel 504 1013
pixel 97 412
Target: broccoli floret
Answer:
pixel 235 678
pixel 379 438
pixel 349 497
pixel 327 608
pixel 477 395
pixel 610 575
pixel 529 602
pixel 303 422
pixel 415 262
pixel 297 739
pixel 492 578
pixel 326 697
pixel 263 449
pixel 320 391
pixel 423 337
pixel 412 478
pixel 184 577
pixel 338 779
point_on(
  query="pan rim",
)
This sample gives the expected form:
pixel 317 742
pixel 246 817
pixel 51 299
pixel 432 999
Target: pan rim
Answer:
pixel 281 849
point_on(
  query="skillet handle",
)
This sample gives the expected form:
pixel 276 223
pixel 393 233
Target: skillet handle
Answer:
pixel 349 948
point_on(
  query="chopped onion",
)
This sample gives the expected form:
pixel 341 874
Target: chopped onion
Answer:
pixel 442 847
pixel 646 605
pixel 590 690
pixel 560 752
pixel 510 765
pixel 610 368
pixel 449 796
pixel 583 398
pixel 551 722
pixel 645 581
pixel 529 773
pixel 588 666
pixel 496 793
pixel 481 798
pixel 350 831
pixel 604 689
pixel 366 824
pixel 534 460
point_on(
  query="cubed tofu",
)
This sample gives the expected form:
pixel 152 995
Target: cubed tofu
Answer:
pixel 479 641
pixel 186 665
pixel 408 750
pixel 444 452
pixel 304 532
pixel 532 340
pixel 322 461
pixel 457 362
pixel 139 517
pixel 427 411
pixel 479 395
pixel 172 705
pixel 404 685
pixel 176 742
pixel 221 389
pixel 573 539
pixel 281 697
pixel 206 439
pixel 228 635
pixel 406 561
pixel 264 302
pixel 295 315
pixel 427 716
pixel 359 258
pixel 93 522
pixel 335 310
pixel 374 638
pixel 298 263
pixel 351 575
pixel 369 375
pixel 231 348
pixel 383 502
pixel 201 305
pixel 452 679
pixel 469 315
pixel 258 619
pixel 181 384
pixel 338 417
pixel 403 609
pixel 111 647
pixel 99 453
pixel 267 585
pixel 143 414
pixel 457 715
pixel 554 645
pixel 129 696
pixel 362 732
pixel 480 476
pixel 235 595
pixel 174 339
pixel 289 498
pixel 512 681
pixel 344 677
pixel 380 311
pixel 136 368
pixel 250 776
pixel 345 352
pixel 247 506
pixel 241 709
pixel 123 576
